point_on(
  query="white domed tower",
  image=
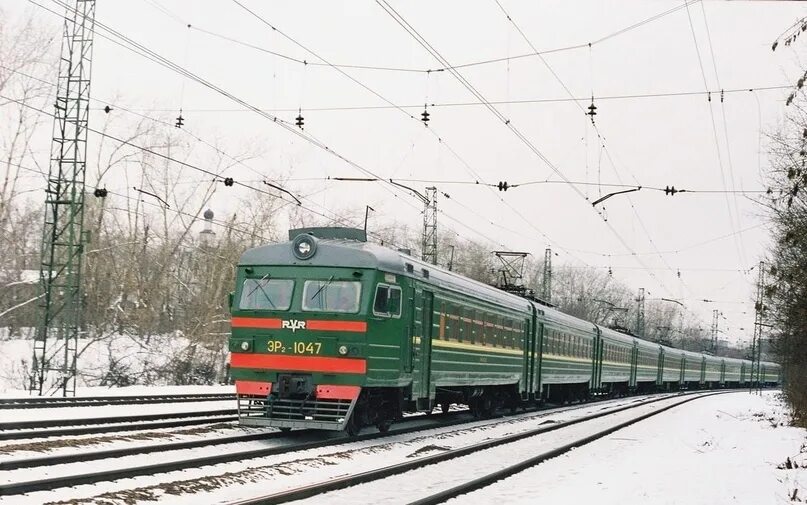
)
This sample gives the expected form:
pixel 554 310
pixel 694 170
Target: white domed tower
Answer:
pixel 207 236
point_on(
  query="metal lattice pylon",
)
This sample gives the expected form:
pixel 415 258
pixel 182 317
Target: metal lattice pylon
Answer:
pixel 756 343
pixel 640 321
pixel 715 329
pixel 56 340
pixel 546 288
pixel 429 246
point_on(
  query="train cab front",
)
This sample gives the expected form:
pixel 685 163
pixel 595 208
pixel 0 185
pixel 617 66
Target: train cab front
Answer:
pixel 298 339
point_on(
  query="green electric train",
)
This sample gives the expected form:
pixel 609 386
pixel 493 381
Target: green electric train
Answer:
pixel 332 332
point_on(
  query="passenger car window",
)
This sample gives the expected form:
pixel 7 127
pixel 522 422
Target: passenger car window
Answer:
pixel 266 294
pixel 387 301
pixel 331 296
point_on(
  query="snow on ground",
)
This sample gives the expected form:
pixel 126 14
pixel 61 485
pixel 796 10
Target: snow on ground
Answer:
pixel 118 359
pixel 717 450
pixel 728 448
pixel 66 413
pixel 226 482
pixel 101 391
pixel 427 480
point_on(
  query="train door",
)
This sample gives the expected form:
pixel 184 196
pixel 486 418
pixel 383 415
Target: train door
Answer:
pixel 528 345
pixel 424 350
pixel 634 365
pixel 538 359
pixel 660 372
pixel 703 370
pixel 408 345
pixel 682 376
pixel 596 360
pixel 722 371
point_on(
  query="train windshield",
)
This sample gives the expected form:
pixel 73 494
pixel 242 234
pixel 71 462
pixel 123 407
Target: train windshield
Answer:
pixel 266 294
pixel 331 296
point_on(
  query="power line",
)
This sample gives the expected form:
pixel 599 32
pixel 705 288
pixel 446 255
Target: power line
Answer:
pixel 147 53
pixel 732 222
pixel 535 52
pixel 174 160
pixel 151 55
pixel 528 101
pixel 444 144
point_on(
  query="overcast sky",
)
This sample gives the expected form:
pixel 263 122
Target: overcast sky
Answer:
pixel 649 141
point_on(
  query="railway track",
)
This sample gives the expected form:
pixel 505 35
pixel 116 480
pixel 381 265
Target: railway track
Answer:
pixel 339 483
pixel 89 401
pixel 83 426
pixel 303 440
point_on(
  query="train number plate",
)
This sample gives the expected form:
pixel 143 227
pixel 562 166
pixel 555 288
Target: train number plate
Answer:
pixel 294 347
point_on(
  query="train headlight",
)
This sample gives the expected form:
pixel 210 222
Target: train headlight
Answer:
pixel 245 346
pixel 304 246
pixel 343 350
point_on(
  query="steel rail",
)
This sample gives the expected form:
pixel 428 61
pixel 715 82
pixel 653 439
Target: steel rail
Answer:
pixel 113 428
pixel 493 477
pixel 83 421
pixel 59 459
pixel 79 457
pixel 346 481
pixel 224 457
pixel 87 401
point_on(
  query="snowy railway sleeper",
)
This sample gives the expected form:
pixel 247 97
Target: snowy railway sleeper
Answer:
pixel 332 332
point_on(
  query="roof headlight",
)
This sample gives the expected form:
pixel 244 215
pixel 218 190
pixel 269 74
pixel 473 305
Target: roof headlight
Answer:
pixel 304 246
pixel 342 350
pixel 244 345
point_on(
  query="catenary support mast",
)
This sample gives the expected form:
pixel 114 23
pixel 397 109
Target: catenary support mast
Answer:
pixel 759 323
pixel 429 246
pixel 54 358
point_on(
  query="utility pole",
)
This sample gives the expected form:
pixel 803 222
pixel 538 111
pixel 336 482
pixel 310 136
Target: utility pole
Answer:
pixel 547 281
pixel 63 231
pixel 429 246
pixel 756 343
pixel 715 314
pixel 640 313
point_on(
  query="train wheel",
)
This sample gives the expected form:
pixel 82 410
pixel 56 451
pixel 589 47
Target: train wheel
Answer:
pixel 444 407
pixel 384 426
pixel 353 428
pixel 285 429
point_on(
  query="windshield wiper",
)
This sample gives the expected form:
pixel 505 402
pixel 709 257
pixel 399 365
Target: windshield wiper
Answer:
pixel 259 286
pixel 322 287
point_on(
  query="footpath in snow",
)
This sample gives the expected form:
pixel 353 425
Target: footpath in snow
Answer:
pixel 730 449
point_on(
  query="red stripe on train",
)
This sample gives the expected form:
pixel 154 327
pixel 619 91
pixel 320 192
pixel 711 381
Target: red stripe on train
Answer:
pixel 338 392
pixel 356 326
pixel 271 323
pixel 256 322
pixel 284 362
pixel 253 388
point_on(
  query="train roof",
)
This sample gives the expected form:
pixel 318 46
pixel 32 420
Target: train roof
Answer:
pixel 357 254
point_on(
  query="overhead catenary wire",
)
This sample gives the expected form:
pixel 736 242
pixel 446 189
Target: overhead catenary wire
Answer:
pixel 732 222
pixel 397 17
pixel 180 162
pixel 506 59
pixel 431 130
pixel 725 125
pixel 633 96
pixel 141 50
pixel 122 40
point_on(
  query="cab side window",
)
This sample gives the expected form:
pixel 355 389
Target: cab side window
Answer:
pixel 387 301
